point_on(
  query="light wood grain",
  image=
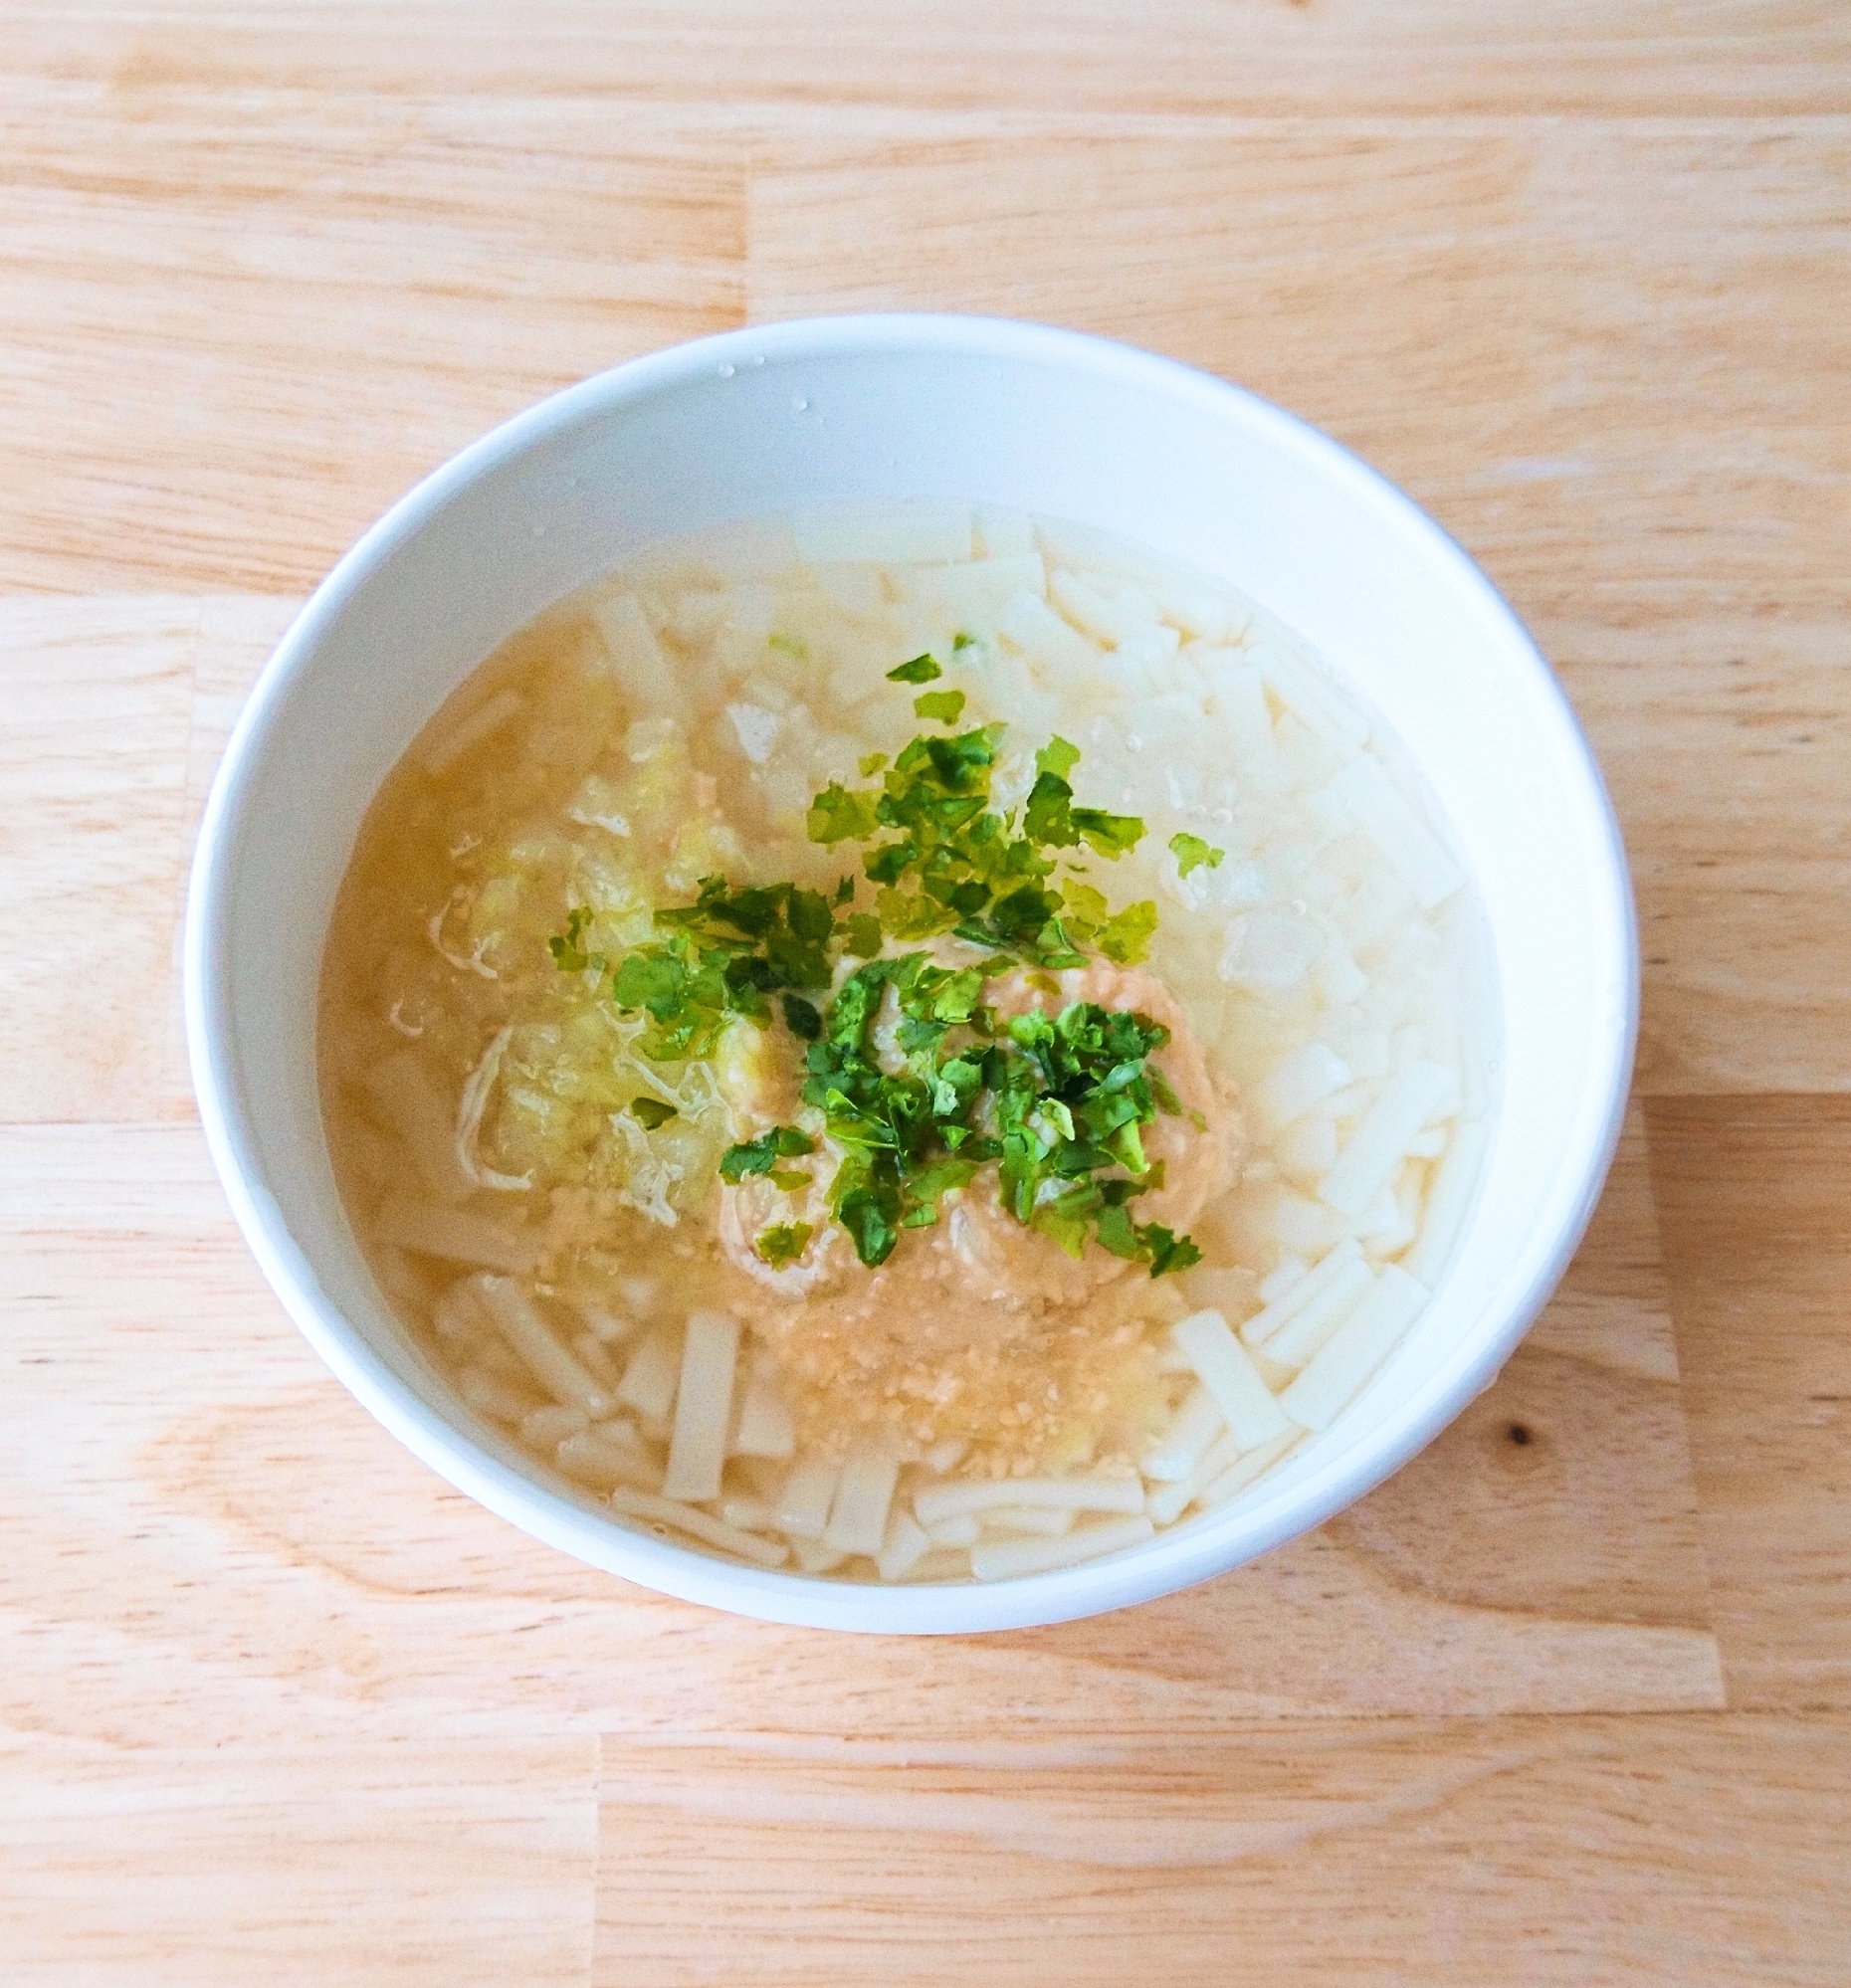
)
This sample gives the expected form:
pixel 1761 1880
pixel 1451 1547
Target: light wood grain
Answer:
pixel 300 303
pixel 237 632
pixel 296 1861
pixel 1724 732
pixel 275 1703
pixel 93 769
pixel 1096 57
pixel 1758 1208
pixel 1579 1851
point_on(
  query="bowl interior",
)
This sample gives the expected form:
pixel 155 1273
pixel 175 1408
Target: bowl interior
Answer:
pixel 757 423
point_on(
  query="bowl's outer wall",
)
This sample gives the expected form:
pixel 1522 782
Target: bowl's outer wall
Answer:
pixel 761 422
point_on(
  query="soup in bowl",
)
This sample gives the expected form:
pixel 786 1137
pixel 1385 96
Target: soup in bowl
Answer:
pixel 910 973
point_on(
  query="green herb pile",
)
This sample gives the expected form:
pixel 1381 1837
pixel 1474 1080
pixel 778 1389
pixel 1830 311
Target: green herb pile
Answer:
pixel 1057 1102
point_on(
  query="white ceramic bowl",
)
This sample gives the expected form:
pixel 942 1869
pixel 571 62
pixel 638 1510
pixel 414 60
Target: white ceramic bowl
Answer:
pixel 760 422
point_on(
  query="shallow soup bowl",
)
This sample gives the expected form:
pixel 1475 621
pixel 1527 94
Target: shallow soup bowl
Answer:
pixel 864 409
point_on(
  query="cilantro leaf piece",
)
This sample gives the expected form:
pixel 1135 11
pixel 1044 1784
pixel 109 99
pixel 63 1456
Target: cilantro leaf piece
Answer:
pixel 1108 835
pixel 944 706
pixel 907 914
pixel 921 670
pixel 653 981
pixel 569 952
pixel 1166 1099
pixel 1166 1251
pixel 1048 816
pixel 839 815
pixel 1191 852
pixel 890 862
pixel 809 917
pixel 789 645
pixel 864 935
pixel 648 1113
pixel 941 1177
pixel 783 1245
pixel 1055 1100
pixel 802 1018
pixel 760 1155
pixel 1067 1232
pixel 1059 756
pixel 871 1214
pixel 690 1004
pixel 953 997
pixel 1117 1233
pixel 1126 938
pixel 1023 913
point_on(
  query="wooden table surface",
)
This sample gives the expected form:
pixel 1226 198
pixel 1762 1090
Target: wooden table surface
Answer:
pixel 1566 1702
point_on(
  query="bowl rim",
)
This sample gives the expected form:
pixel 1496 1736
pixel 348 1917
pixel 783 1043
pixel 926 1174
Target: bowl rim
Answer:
pixel 1175 1558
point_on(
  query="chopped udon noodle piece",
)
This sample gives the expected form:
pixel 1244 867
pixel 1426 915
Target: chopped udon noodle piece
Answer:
pixel 912 1043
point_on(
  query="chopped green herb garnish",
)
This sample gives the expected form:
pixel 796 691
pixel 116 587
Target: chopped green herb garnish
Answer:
pixel 1127 937
pixel 1110 836
pixel 1059 758
pixel 836 815
pixel 569 950
pixel 761 1155
pixel 790 645
pixel 944 706
pixel 1052 819
pixel 801 1018
pixel 648 1113
pixel 864 935
pixel 954 865
pixel 1191 853
pixel 720 960
pixel 921 670
pixel 1058 1101
pixel 1167 1251
pixel 1055 1100
pixel 783 1245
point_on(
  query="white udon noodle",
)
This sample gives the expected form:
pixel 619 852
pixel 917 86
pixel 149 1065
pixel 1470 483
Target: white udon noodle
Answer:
pixel 1338 918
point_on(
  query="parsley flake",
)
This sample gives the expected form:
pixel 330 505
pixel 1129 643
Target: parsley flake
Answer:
pixel 921 670
pixel 783 1245
pixel 1126 938
pixel 1191 853
pixel 944 706
pixel 801 1018
pixel 761 1155
pixel 1059 756
pixel 1167 1251
pixel 1055 1099
pixel 837 814
pixel 569 950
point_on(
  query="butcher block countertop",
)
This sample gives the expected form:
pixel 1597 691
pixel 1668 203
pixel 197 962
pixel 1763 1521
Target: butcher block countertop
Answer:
pixel 1568 1701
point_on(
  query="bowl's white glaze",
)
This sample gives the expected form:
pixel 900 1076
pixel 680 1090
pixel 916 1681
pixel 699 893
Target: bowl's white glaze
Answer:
pixel 760 422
